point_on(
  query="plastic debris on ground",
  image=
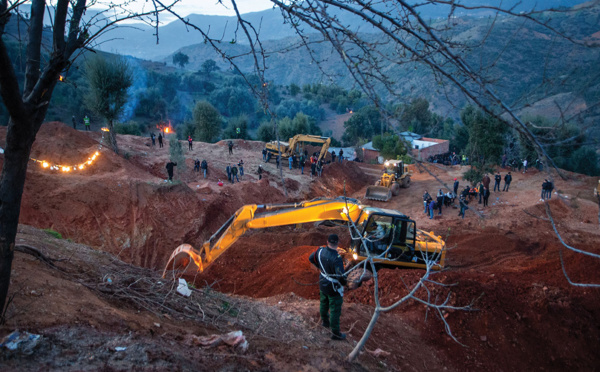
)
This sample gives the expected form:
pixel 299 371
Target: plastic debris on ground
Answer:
pixel 235 340
pixel 183 289
pixel 120 348
pixel 378 353
pixel 21 341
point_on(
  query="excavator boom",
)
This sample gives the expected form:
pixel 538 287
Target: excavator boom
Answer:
pixel 407 251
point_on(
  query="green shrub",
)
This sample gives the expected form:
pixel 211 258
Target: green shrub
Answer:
pixel 55 234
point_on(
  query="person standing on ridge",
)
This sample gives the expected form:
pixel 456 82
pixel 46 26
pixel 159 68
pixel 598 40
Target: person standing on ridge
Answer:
pixel 290 162
pixel 234 174
pixel 197 165
pixel 241 167
pixel 228 170
pixel 333 156
pixel 74 123
pixel 169 167
pixel 486 181
pixel 507 181
pixel 440 201
pixel 264 153
pixel 524 165
pixel 204 166
pixel 426 199
pixel 260 171
pixel 456 186
pixel 190 141
pixel 230 146
pixel 328 260
pixel 160 142
pixel 497 180
pixel 153 138
pixel 486 196
pixel 301 163
pixel 86 121
pixel 341 155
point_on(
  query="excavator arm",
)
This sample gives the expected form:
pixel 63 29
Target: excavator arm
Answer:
pixel 258 217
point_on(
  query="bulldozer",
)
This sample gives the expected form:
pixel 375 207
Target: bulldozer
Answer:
pixel 395 176
pixel 399 243
pixel 296 145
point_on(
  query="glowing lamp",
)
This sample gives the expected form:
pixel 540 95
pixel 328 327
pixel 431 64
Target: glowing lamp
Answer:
pixel 45 165
pixel 97 153
pixel 80 166
pixel 89 162
pixel 344 210
pixel 355 256
pixel 66 169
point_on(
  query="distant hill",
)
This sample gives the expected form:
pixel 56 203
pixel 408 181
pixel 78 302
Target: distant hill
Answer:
pixel 526 63
pixel 139 40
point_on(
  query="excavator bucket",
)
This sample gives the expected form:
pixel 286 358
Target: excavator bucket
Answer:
pixel 380 193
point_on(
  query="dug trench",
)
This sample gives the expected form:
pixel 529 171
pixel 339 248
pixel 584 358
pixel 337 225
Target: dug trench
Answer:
pixel 524 314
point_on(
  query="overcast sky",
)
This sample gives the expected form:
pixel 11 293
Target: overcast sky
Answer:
pixel 186 7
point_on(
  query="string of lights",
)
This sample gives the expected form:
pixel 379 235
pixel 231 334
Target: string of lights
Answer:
pixel 45 164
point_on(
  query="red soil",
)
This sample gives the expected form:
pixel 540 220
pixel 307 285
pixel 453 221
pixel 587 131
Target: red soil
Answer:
pixel 507 263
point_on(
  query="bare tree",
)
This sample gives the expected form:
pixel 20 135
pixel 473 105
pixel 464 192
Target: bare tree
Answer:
pixel 27 105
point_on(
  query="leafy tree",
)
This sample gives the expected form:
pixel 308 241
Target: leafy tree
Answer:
pixel 294 89
pixel 486 141
pixel 265 132
pixel 234 123
pixel 585 161
pixel 389 146
pixel 209 66
pixel 363 124
pixel 181 59
pixel 207 121
pixel 109 81
pixel 232 101
pixel 416 116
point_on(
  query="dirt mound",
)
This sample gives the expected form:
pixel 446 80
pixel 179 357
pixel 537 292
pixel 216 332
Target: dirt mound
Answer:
pixel 337 175
pixel 241 144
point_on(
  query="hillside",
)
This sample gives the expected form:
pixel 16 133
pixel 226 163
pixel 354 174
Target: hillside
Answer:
pixel 99 303
pixel 525 63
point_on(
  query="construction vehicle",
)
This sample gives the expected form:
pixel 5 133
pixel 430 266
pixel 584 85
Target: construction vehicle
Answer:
pixel 297 144
pixel 399 243
pixel 395 175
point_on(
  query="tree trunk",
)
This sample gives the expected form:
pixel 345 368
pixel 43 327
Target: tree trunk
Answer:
pixel 19 138
pixel 112 137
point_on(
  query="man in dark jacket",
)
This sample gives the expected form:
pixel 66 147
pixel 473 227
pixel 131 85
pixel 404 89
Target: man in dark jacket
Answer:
pixel 204 167
pixel 507 181
pixel 228 170
pixel 486 196
pixel 169 167
pixel 230 146
pixel 160 142
pixel 486 181
pixel 456 186
pixel 480 191
pixel 331 284
pixel 260 172
pixel 426 199
pixel 234 174
pixel 497 180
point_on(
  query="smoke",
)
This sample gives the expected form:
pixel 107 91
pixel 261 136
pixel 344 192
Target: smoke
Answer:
pixel 140 84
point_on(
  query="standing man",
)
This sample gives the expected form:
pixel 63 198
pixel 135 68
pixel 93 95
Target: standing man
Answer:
pixel 234 174
pixel 333 156
pixel 204 167
pixel 524 165
pixel 431 209
pixel 290 162
pixel 486 181
pixel 197 165
pixel 230 145
pixel 241 167
pixel 426 199
pixel 228 170
pixel 497 180
pixel 341 155
pixel 456 186
pixel 313 170
pixel 190 140
pixel 74 123
pixel 86 121
pixel 463 205
pixel 160 137
pixel 480 191
pixel 169 167
pixel 507 181
pixel 264 152
pixel 260 171
pixel 152 137
pixel 331 284
pixel 440 201
pixel 486 196
pixel 597 193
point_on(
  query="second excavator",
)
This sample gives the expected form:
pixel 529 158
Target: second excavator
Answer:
pixel 391 237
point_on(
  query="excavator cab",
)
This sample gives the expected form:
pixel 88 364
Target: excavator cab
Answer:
pixel 391 240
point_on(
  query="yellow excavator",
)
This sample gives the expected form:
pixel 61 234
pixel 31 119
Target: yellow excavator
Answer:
pixel 297 144
pixel 392 238
pixel 395 175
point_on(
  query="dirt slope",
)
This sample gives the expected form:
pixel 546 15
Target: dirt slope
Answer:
pixel 527 316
